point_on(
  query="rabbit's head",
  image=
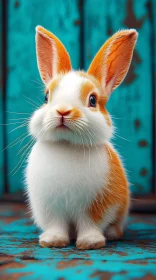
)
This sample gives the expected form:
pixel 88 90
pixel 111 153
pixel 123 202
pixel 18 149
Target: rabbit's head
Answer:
pixel 75 101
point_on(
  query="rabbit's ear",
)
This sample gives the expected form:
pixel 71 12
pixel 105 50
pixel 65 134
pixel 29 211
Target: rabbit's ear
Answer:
pixel 52 57
pixel 112 62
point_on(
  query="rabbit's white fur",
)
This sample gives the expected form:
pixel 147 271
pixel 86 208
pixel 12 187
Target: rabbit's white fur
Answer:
pixel 62 181
pixel 63 178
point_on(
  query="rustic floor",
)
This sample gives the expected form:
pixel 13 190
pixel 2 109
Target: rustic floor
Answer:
pixel 22 258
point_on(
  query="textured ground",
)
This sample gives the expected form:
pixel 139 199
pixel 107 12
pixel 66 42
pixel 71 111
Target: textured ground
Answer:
pixel 22 258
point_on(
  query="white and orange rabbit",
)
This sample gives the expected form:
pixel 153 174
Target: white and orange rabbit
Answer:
pixel 74 175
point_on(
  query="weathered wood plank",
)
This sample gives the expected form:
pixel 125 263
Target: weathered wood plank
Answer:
pixel 20 255
pixel 153 14
pixel 132 102
pixel 1 111
pixel 23 81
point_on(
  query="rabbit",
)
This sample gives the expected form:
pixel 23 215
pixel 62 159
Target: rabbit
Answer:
pixel 74 175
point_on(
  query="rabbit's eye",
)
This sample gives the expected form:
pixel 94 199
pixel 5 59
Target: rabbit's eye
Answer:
pixel 92 100
pixel 46 97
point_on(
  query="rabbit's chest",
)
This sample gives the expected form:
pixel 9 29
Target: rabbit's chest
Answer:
pixel 65 175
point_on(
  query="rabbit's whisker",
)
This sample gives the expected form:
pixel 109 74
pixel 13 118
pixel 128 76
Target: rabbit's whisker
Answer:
pixel 28 135
pixel 40 100
pixel 16 141
pixel 90 137
pixel 37 82
pixel 89 140
pixel 122 137
pixel 18 113
pixel 12 123
pixel 24 155
pixel 31 100
pixel 18 166
pixel 22 125
pixel 19 119
pixel 23 148
pixel 116 118
pixel 32 104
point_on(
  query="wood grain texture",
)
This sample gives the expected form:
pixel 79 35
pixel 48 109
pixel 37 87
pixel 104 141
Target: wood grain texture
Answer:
pixel 132 103
pixel 1 111
pixel 21 257
pixel 23 81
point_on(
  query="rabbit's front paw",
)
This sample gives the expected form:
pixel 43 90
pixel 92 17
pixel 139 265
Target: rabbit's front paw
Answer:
pixel 92 240
pixel 49 239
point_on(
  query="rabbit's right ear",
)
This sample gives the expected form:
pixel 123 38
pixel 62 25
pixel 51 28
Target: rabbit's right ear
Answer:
pixel 112 62
pixel 52 57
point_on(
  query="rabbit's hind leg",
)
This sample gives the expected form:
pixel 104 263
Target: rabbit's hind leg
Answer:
pixel 115 231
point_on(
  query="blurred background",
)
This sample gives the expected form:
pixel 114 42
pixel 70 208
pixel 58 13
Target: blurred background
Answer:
pixel 83 26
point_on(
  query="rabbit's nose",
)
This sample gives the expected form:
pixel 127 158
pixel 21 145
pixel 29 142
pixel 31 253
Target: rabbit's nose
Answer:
pixel 63 112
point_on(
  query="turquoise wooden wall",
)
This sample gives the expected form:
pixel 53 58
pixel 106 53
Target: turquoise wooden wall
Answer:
pixel 131 103
pixel 1 114
pixel 82 26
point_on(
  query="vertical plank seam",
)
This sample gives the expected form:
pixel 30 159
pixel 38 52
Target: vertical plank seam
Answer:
pixel 154 93
pixel 82 49
pixel 4 76
pixel 153 53
pixel 1 108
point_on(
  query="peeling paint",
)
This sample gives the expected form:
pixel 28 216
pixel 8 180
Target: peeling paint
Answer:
pixel 17 4
pixel 143 143
pixel 137 124
pixel 131 21
pixel 143 171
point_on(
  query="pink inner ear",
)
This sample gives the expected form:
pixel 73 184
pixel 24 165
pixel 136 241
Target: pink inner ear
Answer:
pixel 118 59
pixel 52 56
pixel 44 57
pixel 112 62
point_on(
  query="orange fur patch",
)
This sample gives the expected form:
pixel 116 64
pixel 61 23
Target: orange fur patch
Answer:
pixel 86 88
pixel 116 192
pixel 76 114
pixel 92 85
pixel 102 102
pixel 53 85
pixel 90 77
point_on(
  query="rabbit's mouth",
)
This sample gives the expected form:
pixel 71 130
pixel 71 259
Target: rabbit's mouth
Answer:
pixel 62 127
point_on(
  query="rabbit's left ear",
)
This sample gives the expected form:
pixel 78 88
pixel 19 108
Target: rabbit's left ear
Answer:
pixel 112 62
pixel 52 57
